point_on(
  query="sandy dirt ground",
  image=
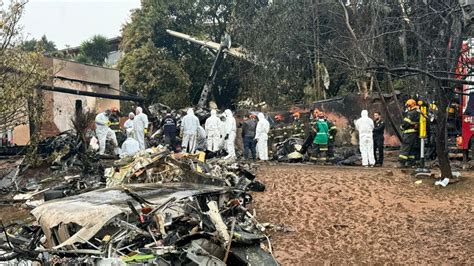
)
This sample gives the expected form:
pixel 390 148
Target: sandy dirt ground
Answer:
pixel 351 215
pixel 343 215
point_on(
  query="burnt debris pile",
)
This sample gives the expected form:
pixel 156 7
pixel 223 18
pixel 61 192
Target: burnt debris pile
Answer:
pixel 156 207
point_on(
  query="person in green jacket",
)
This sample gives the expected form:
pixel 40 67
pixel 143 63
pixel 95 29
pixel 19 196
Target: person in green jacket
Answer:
pixel 321 138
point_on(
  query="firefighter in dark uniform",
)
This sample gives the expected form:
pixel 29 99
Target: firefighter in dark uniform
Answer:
pixel 310 132
pixel 170 131
pixel 332 139
pixel 431 127
pixel 298 126
pixel 114 119
pixel 409 128
pixel 379 128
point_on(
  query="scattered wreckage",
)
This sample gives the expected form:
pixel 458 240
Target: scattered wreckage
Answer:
pixel 156 207
pixel 164 224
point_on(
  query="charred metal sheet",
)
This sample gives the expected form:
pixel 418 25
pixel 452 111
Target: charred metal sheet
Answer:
pixel 93 210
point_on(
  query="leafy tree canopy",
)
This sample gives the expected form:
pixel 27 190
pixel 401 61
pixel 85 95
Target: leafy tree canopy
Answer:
pixel 20 71
pixel 150 71
pixel 94 51
pixel 42 45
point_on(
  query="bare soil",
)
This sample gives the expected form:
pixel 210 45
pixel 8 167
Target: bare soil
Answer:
pixel 345 215
pixel 351 215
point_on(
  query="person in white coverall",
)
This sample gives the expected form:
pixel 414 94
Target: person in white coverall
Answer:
pixel 103 131
pixel 365 126
pixel 261 136
pixel 213 126
pixel 130 146
pixel 189 129
pixel 140 126
pixel 230 127
pixel 129 124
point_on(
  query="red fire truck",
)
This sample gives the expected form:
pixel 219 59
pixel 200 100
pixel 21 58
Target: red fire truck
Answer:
pixel 464 71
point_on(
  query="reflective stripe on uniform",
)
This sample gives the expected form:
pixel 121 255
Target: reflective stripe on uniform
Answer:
pixel 406 119
pixel 401 156
pixel 333 127
pixel 411 157
pixel 411 130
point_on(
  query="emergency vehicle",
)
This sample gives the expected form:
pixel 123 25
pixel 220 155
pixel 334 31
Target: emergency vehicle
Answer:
pixel 464 71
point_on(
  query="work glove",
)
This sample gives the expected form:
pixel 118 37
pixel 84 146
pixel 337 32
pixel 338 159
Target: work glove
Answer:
pixel 255 141
pixel 145 131
pixel 181 134
pixel 226 137
pixel 108 123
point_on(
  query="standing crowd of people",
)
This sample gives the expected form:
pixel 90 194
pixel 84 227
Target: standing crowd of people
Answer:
pixel 136 127
pixel 219 132
pixel 321 138
pixel 371 139
pixel 371 134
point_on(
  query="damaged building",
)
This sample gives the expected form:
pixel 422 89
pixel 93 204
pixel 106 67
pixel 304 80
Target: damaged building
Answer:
pixel 74 86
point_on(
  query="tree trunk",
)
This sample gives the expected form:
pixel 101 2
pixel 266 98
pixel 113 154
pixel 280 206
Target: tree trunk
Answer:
pixel 443 97
pixel 363 89
pixel 388 78
pixel 387 111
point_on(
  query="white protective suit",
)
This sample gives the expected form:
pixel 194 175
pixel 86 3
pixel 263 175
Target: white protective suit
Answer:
pixel 129 125
pixel 130 147
pixel 140 124
pixel 103 132
pixel 230 127
pixel 365 126
pixel 213 132
pixel 189 127
pixel 261 135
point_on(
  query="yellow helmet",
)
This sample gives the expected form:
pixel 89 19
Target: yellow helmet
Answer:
pixel 433 106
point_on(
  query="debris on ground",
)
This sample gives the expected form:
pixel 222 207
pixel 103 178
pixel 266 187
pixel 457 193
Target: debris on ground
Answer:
pixel 154 207
pixel 10 175
pixel 173 223
pixel 443 182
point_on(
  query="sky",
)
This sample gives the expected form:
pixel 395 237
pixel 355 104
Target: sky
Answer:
pixel 70 22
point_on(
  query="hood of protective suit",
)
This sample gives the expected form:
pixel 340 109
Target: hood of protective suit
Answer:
pixel 139 110
pixel 230 125
pixel 131 115
pixel 213 112
pixel 263 127
pixel 364 124
pixel 364 113
pixel 190 123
